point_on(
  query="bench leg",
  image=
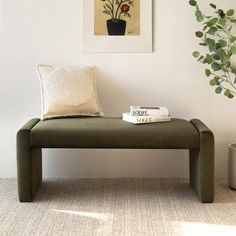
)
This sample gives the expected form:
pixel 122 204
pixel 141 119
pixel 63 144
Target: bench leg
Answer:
pixel 29 164
pixel 202 169
pixel 36 169
pixel 29 174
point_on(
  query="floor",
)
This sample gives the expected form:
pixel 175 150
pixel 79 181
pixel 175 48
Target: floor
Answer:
pixel 117 207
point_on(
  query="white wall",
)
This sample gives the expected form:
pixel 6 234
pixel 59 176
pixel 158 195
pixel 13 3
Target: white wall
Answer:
pixel 50 31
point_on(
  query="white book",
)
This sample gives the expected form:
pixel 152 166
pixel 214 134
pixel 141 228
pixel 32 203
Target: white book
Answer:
pixel 144 119
pixel 148 111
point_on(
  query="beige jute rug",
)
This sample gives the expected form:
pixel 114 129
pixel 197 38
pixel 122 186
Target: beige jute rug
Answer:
pixel 117 207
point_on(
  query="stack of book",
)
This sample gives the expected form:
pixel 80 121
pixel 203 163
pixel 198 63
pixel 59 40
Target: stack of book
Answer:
pixel 146 114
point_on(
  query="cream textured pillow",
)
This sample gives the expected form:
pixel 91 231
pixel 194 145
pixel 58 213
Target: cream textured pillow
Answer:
pixel 68 91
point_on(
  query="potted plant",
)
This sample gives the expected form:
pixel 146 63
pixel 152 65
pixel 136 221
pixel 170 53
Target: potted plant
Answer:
pixel 232 165
pixel 218 38
pixel 116 9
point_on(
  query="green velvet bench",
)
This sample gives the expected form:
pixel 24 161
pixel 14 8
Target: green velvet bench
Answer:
pixel 113 133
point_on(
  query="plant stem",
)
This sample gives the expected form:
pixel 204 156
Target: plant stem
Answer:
pixel 227 88
pixel 231 83
pixel 120 15
pixel 113 8
pixel 118 7
pixel 227 80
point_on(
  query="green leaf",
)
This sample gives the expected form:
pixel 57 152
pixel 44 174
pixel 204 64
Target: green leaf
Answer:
pixel 223 43
pixel 216 57
pixel 232 39
pixel 213 82
pixel 205 27
pixel 212 22
pixel 221 53
pixel 207 72
pixel 210 42
pixel 230 12
pixel 219 27
pixel 228 64
pixel 230 95
pixel 202 44
pixel 196 54
pixel 209 59
pixel 216 66
pixel 233 70
pixel 213 5
pixel 200 58
pixel 235 80
pixel 217 80
pixel 221 13
pixel 199 34
pixel 227 92
pixel 218 90
pixel 212 48
pixel 200 18
pixel 193 3
pixel 218 46
pixel 233 49
pixel 212 31
pixel 199 15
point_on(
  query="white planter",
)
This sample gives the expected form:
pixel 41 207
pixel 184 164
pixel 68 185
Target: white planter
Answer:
pixel 232 165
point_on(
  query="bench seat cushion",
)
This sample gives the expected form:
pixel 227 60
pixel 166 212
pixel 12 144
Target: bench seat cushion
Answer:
pixel 90 132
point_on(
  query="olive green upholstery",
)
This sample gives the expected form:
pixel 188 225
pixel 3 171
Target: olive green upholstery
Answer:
pixel 113 133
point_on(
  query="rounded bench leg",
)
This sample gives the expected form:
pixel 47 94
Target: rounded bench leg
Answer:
pixel 36 155
pixel 29 164
pixel 202 164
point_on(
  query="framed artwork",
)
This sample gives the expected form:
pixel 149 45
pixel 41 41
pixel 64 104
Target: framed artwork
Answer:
pixel 117 25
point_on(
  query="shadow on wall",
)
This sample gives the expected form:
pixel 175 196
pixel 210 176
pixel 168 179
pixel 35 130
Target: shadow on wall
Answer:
pixel 107 163
pixel 113 95
pixel 97 163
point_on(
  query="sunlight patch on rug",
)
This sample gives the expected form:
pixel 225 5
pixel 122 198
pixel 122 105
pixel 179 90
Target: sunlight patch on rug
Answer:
pixel 96 215
pixel 203 229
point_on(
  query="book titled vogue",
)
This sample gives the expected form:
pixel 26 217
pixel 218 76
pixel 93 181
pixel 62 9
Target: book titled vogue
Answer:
pixel 145 119
pixel 148 111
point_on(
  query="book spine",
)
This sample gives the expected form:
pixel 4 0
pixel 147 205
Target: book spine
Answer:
pixel 149 112
pixel 145 120
pixel 142 120
pixel 147 107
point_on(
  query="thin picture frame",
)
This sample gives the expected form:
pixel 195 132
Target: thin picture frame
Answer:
pixel 116 44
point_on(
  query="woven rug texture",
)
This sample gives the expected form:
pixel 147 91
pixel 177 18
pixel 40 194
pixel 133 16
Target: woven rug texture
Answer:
pixel 116 207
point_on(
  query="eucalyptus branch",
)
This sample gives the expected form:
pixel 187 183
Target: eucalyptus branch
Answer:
pixel 227 89
pixel 217 36
pixel 230 81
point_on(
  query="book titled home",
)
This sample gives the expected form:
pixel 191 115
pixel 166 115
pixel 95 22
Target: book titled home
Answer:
pixel 144 119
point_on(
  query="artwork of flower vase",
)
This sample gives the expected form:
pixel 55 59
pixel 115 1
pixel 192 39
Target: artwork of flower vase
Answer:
pixel 117 10
pixel 115 26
